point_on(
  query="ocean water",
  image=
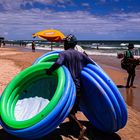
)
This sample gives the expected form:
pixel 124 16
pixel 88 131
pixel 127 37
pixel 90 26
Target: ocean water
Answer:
pixel 110 49
pixel 96 47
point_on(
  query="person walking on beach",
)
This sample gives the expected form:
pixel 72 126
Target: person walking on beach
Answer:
pixel 132 63
pixel 74 61
pixel 33 46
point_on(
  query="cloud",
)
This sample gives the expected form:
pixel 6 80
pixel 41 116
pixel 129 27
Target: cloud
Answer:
pixel 102 1
pixel 17 4
pixel 22 24
pixel 85 4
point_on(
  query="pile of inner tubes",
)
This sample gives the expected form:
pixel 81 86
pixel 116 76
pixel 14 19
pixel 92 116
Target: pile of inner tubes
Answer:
pixel 101 100
pixel 51 116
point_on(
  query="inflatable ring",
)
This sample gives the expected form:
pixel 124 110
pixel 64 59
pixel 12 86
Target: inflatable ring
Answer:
pixel 54 118
pixel 45 56
pixel 11 92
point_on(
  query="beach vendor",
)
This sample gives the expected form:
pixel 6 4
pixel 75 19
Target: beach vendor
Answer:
pixel 33 46
pixel 131 65
pixel 74 61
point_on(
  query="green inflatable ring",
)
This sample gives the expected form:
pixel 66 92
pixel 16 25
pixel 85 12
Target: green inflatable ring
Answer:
pixel 49 58
pixel 13 99
pixel 11 94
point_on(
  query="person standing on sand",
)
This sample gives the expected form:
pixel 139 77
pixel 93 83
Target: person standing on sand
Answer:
pixel 132 63
pixel 74 61
pixel 33 46
pixel 0 43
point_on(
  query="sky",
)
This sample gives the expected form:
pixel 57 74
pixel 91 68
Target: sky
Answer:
pixel 86 19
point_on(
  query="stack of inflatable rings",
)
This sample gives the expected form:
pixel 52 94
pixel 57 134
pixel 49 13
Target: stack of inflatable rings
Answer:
pixel 101 101
pixel 51 116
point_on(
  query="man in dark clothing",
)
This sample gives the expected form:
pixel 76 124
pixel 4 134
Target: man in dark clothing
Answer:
pixel 132 65
pixel 33 46
pixel 74 61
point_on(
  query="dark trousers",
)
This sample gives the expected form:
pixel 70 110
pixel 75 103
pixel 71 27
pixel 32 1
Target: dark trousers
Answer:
pixel 131 77
pixel 76 105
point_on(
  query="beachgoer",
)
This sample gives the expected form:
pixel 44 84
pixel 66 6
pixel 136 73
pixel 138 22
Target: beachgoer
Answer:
pixel 3 43
pixel 74 61
pixel 33 46
pixel 0 43
pixel 132 63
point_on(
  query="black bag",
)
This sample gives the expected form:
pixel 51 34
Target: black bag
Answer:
pixel 126 64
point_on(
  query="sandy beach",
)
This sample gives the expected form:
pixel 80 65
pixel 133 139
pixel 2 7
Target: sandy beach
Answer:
pixel 13 60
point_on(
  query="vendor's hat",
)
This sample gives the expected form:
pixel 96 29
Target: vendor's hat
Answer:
pixel 130 46
pixel 70 39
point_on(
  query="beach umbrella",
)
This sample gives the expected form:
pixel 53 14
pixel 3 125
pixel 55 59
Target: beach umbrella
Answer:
pixel 50 35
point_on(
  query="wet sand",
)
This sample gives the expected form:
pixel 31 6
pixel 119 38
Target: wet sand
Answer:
pixel 13 60
pixel 131 95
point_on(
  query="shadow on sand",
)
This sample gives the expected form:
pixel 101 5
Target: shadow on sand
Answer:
pixel 69 133
pixel 121 86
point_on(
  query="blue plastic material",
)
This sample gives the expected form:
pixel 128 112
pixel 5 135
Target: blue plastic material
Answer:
pixel 45 55
pixel 99 91
pixel 123 118
pixel 112 96
pixel 57 115
pixel 96 106
pixel 101 103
